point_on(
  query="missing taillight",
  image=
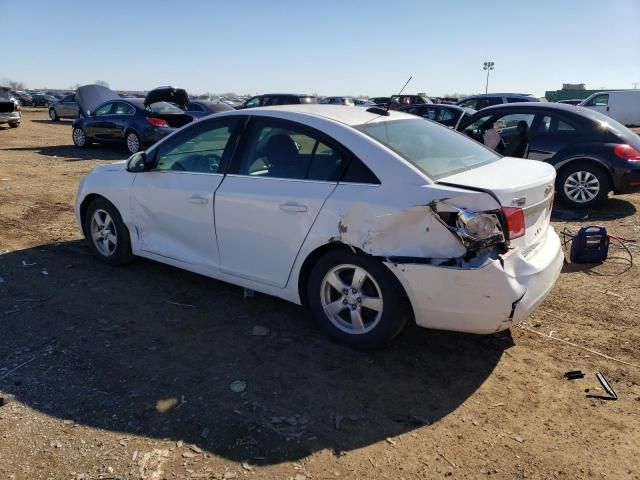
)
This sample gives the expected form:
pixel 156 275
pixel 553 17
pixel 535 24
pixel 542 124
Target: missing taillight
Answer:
pixel 514 220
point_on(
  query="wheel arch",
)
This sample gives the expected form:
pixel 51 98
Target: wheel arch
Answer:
pixel 85 205
pixel 314 256
pixel 565 164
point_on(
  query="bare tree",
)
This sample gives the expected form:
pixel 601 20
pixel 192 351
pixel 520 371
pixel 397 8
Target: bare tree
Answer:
pixel 102 83
pixel 13 84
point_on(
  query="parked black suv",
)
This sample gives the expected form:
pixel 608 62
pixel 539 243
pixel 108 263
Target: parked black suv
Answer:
pixel 271 99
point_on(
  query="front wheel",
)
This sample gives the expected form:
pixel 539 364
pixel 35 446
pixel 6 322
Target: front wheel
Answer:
pixel 107 234
pixel 53 115
pixel 14 124
pixel 355 300
pixel 79 138
pixel 133 142
pixel 583 185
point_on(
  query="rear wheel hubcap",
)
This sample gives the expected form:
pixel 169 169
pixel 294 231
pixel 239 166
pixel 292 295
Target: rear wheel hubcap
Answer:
pixel 582 186
pixel 351 299
pixel 78 137
pixel 133 144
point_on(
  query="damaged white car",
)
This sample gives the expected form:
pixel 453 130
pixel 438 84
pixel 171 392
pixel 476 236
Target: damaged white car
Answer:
pixel 370 218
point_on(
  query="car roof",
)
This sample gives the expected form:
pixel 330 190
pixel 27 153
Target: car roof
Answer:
pixel 338 113
pixel 532 105
pixel 291 94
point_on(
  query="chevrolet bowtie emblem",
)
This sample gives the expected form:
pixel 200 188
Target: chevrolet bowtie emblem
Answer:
pixel 518 202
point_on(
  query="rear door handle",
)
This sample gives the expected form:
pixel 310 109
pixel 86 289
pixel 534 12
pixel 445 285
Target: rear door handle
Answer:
pixel 198 200
pixel 293 207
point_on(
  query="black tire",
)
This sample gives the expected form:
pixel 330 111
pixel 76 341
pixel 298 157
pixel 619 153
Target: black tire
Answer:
pixel 592 176
pixel 53 115
pixel 14 124
pixel 378 331
pixel 121 251
pixel 135 140
pixel 77 133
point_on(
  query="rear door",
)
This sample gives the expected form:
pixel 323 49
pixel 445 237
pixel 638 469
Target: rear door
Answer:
pixel 173 203
pixel 119 120
pixel 266 205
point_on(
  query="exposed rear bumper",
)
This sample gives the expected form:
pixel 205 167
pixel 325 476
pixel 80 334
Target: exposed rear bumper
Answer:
pixel 482 300
pixel 626 180
pixel 9 117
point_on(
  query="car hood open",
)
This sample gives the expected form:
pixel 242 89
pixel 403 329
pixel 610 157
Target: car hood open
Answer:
pixel 177 96
pixel 91 96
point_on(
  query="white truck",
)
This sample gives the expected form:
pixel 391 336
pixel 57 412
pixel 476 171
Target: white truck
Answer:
pixel 621 105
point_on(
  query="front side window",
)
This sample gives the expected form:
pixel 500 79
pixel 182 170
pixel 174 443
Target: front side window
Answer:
pixel 253 102
pixel 69 99
pixel 435 150
pixel 199 149
pixel 284 150
pixel 601 100
pixel 104 110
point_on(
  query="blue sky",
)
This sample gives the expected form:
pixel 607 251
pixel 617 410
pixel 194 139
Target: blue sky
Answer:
pixel 329 47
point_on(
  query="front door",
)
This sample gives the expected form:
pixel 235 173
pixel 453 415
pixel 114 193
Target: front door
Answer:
pixel 173 203
pixel 268 202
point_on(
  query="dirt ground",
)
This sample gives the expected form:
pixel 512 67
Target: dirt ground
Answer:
pixel 127 373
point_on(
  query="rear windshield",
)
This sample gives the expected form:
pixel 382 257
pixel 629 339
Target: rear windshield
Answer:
pixel 164 107
pixel 5 95
pixel 605 121
pixel 434 149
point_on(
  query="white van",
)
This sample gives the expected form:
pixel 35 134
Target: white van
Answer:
pixel 622 105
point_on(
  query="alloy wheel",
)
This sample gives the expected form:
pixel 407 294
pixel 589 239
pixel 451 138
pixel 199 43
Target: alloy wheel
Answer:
pixel 52 114
pixel 103 233
pixel 581 186
pixel 78 137
pixel 133 143
pixel 351 299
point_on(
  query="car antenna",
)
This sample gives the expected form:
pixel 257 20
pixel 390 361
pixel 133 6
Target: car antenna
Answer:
pixel 385 110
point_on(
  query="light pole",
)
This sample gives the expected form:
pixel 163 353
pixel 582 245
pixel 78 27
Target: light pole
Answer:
pixel 488 66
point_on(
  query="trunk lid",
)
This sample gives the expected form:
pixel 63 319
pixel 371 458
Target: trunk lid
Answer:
pixel 177 96
pixel 7 105
pixel 91 96
pixel 525 184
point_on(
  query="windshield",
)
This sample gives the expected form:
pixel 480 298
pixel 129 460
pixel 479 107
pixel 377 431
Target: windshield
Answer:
pixel 436 150
pixel 5 94
pixel 164 107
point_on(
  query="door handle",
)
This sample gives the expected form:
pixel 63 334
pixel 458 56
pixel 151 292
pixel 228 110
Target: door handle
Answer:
pixel 293 207
pixel 198 199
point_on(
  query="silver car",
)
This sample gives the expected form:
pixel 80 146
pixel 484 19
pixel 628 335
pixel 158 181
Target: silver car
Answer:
pixel 65 108
pixel 9 108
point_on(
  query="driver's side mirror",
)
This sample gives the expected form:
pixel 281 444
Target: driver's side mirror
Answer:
pixel 139 162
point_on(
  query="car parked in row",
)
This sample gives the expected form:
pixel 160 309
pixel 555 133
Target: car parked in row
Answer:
pixel 445 114
pixel 23 98
pixel 42 99
pixel 478 102
pixel 10 111
pixel 271 99
pixel 592 153
pixel 202 108
pixel 367 217
pixel 108 118
pixel 398 101
pixel 67 107
pixel 348 101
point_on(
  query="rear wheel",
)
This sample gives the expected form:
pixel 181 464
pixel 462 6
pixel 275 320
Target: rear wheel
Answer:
pixel 107 234
pixel 14 124
pixel 583 185
pixel 53 115
pixel 133 142
pixel 355 300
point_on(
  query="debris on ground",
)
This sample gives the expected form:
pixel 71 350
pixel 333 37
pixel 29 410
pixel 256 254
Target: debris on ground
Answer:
pixel 238 386
pixel 260 331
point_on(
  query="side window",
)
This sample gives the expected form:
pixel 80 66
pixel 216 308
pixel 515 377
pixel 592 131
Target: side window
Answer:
pixel 69 99
pixel 358 172
pixel 199 149
pixel 552 125
pixel 514 100
pixel 601 100
pixel 476 129
pixel 512 120
pixel 254 102
pixel 442 115
pixel 104 110
pixel 275 149
pixel 123 109
pixel 471 103
pixel 195 108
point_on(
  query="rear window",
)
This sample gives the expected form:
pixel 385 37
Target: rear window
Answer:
pixel 434 149
pixel 164 107
pixel 4 95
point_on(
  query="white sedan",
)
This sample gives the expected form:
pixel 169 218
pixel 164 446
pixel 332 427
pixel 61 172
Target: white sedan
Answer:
pixel 369 218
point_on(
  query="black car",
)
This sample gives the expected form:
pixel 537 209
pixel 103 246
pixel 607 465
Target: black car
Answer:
pixel 42 100
pixel 270 99
pixel 445 114
pixel 592 153
pixel 202 108
pixel 136 122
